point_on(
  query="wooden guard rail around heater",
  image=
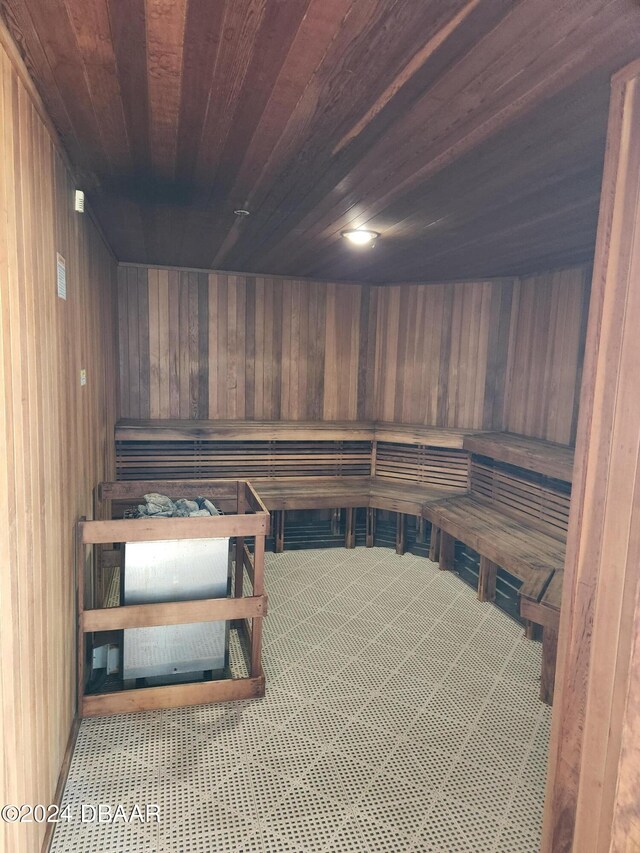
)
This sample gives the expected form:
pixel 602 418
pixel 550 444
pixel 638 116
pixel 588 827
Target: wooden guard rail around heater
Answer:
pixel 247 517
pixel 302 465
pixel 515 516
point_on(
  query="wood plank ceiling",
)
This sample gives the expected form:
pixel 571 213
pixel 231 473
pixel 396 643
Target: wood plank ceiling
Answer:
pixel 470 133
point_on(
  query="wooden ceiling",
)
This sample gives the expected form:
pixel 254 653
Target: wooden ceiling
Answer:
pixel 470 133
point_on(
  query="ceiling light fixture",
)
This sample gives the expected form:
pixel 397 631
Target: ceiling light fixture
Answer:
pixel 360 236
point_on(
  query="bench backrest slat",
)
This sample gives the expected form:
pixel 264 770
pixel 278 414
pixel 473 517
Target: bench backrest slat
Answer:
pixel 536 499
pixel 420 463
pixel 241 460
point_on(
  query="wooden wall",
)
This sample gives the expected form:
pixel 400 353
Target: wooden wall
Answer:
pixel 442 353
pixel 483 355
pixel 545 354
pixel 592 803
pixel 55 438
pixel 208 345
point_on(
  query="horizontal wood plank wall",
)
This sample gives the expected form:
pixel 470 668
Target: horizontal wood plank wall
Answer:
pixel 209 345
pixel 442 353
pixel 55 438
pixel 548 328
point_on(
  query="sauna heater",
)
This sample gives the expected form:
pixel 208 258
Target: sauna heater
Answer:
pixel 176 570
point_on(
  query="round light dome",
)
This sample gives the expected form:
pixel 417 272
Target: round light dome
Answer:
pixel 360 236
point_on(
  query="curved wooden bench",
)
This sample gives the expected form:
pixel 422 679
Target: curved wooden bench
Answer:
pixel 305 465
pixel 515 516
pixel 506 496
pixel 525 552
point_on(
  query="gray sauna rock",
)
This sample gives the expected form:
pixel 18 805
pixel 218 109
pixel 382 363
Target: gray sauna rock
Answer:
pixel 213 510
pixel 159 500
pixel 160 506
pixel 188 506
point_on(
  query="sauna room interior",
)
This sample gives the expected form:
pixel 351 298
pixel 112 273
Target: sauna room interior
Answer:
pixel 320 426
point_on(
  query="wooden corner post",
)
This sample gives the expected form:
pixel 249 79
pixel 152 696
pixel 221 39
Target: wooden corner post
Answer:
pixel 592 791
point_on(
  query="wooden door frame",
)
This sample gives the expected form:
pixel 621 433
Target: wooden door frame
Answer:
pixel 592 801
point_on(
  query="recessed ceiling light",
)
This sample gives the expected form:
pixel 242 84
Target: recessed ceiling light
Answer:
pixel 360 236
pixel 241 212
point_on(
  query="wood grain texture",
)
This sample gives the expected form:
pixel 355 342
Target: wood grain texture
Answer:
pixel 543 457
pixel 592 795
pixel 545 354
pixel 474 142
pixel 55 439
pixel 215 346
pixel 474 355
pixel 437 361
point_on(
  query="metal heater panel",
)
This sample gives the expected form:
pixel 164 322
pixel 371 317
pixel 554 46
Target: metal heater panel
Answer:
pixel 175 570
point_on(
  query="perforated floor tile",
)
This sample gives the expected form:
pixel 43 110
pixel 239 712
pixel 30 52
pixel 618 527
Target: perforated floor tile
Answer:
pixel 370 835
pixel 401 715
pixel 304 816
pixel 421 764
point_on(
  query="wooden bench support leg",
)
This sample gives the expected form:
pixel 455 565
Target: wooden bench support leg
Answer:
pixel 401 537
pixel 531 630
pixel 420 529
pixel 487 580
pixel 447 551
pixel 335 522
pixel 371 527
pixel 548 673
pixel 434 545
pixel 279 536
pixel 350 528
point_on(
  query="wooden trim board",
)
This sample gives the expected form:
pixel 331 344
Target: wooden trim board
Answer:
pixel 172 613
pixel 175 696
pixel 62 780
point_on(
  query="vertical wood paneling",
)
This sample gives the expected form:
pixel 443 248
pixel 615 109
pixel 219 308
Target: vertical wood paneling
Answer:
pixel 201 401
pixel 482 355
pixel 209 345
pixel 545 354
pixel 173 344
pixel 56 438
pixel 442 352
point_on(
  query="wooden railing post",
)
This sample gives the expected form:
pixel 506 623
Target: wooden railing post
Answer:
pixel 256 622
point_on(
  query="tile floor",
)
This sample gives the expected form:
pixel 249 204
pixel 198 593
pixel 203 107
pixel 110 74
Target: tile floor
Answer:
pixel 402 715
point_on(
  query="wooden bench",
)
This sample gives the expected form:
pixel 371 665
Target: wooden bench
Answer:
pixel 504 495
pixel 515 516
pixel 303 465
pixel 501 539
pixel 546 613
pixel 194 449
